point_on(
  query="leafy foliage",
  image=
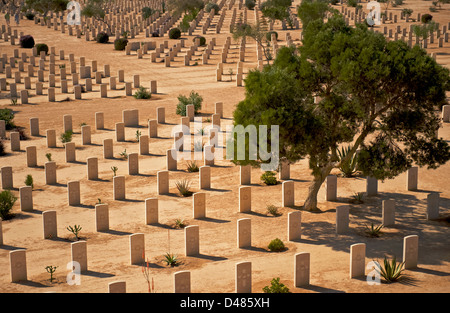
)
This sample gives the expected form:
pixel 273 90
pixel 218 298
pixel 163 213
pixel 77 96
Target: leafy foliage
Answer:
pixel 392 271
pixel 276 287
pixel 66 136
pixel 276 245
pixel 269 178
pixel 7 115
pixel 175 33
pixel 142 93
pixel 120 44
pixel 7 200
pixel 194 99
pixel 348 165
pixel 27 42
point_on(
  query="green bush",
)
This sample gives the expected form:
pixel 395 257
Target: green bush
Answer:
pixel 66 137
pixel 41 47
pixel 426 18
pixel 269 35
pixel 175 33
pixel 194 98
pixel 250 4
pixel 29 181
pixel 352 3
pixel 276 287
pixel 2 148
pixel 102 37
pixel 142 93
pixel 30 16
pixel 269 178
pixel 147 12
pixel 276 245
pixel 334 2
pixel 120 44
pixel 7 115
pixel 27 42
pixel 7 200
pixel 202 40
pixel 211 6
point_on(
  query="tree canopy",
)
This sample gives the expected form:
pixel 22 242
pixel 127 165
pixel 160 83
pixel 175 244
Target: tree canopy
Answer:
pixel 349 86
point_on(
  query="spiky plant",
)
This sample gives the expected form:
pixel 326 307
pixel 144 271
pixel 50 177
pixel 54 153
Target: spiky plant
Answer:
pixel 272 210
pixel 357 198
pixel 390 271
pixel 192 166
pixel 374 231
pixel 75 230
pixel 171 259
pixel 114 169
pixel 184 187
pixel 180 223
pixel 350 167
pixel 51 269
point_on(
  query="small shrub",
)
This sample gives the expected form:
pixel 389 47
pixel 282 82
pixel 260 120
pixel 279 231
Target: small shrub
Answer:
pixel 7 115
pixel 276 245
pixel 250 4
pixel 102 37
pixel 124 154
pixel 357 198
pixel 14 101
pixel 350 167
pixel 51 270
pixel 142 93
pixel 147 12
pixel 391 272
pixel 27 42
pixel 272 210
pixel 374 231
pixel 175 33
pixel 29 181
pixel 171 259
pixel 192 166
pixel 7 200
pixel 66 137
pixel 352 3
pixel 269 35
pixel 48 156
pixel 41 47
pixel 75 230
pixel 184 187
pixel 138 135
pixel 30 16
pixel 179 223
pixel 21 132
pixel 211 6
pixel 155 34
pixel 120 44
pixel 194 99
pixel 114 169
pixel 269 178
pixel 426 18
pixel 2 147
pixel 202 40
pixel 276 287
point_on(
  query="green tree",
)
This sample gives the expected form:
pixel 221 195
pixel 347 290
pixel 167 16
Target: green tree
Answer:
pixel 310 10
pixel 177 7
pixel 257 32
pixel 96 10
pixel 380 96
pixel 277 10
pixel 45 6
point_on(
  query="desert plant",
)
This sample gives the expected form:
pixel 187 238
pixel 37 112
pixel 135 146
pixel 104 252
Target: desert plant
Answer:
pixel 276 287
pixel 192 166
pixel 29 181
pixel 180 223
pixel 26 42
pixel 194 99
pixel 426 18
pixel 2 148
pixel 146 273
pixel 21 132
pixel 138 135
pixel 357 198
pixel 230 72
pixel 7 115
pixel 142 93
pixel 75 230
pixel 184 187
pixel 51 270
pixel 66 136
pixel 171 259
pixel 276 245
pixel 373 231
pixel 124 154
pixel 250 4
pixel 272 210
pixel 114 169
pixel 350 166
pixel 174 33
pixel 41 47
pixel 269 178
pixel 48 156
pixel 30 16
pixel 7 200
pixel 14 101
pixel 390 271
pixel 198 145
pixel 120 44
pixel 147 12
pixel 102 37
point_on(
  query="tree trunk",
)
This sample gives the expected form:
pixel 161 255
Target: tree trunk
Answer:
pixel 311 200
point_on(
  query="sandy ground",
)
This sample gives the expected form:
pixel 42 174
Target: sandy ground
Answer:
pixel 214 269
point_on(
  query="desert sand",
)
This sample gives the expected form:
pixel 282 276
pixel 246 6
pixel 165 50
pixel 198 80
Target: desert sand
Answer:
pixel 214 269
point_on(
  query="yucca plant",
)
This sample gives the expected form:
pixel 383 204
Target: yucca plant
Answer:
pixel 374 231
pixel 51 270
pixel 184 187
pixel 171 259
pixel 114 169
pixel 350 167
pixel 192 166
pixel 179 223
pixel 357 198
pixel 390 271
pixel 124 154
